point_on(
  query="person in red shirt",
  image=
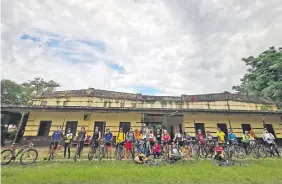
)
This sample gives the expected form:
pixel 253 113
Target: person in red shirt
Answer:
pixel 200 137
pixel 219 152
pixel 128 148
pixel 165 141
pixel 165 137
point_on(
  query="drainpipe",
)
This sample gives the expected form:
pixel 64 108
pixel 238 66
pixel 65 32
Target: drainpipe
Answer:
pixel 143 121
pixel 229 121
pixel 263 121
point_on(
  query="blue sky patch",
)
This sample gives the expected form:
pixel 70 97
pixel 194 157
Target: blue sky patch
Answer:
pixel 116 68
pixel 28 37
pixel 54 43
pixel 97 44
pixel 68 48
pixel 147 90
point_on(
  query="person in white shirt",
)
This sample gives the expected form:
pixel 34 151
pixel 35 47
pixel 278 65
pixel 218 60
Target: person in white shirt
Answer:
pixel 268 137
pixel 175 153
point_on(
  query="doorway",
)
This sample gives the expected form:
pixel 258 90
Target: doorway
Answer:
pixel 246 127
pixel 223 127
pixel 173 123
pixel 44 128
pixel 200 126
pixel 125 126
pixel 270 129
pixel 101 126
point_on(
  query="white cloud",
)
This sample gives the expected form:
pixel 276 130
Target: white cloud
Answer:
pixel 175 46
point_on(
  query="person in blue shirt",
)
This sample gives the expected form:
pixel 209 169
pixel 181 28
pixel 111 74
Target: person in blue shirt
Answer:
pixel 108 138
pixel 232 137
pixel 55 139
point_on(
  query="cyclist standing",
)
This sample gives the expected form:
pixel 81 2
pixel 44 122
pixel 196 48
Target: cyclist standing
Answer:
pixel 130 136
pixel 220 135
pixel 55 139
pixel 109 138
pixel 68 138
pixel 95 138
pixel 246 140
pixel 200 137
pixel 158 136
pixel 232 137
pixel 270 140
pixel 120 137
pixel 209 137
pixel 178 138
pixel 81 138
pixel 120 140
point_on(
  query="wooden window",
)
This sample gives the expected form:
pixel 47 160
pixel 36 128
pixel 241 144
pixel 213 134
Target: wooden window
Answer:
pixel 86 117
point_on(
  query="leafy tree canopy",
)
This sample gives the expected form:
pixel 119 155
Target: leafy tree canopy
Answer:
pixel 13 93
pixel 264 76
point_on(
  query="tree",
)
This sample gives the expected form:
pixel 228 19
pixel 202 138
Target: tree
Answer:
pixel 13 93
pixel 38 85
pixel 264 76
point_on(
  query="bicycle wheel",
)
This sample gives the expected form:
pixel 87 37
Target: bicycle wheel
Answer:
pixel 132 153
pixel 90 154
pixel 76 155
pixel 255 152
pixel 275 150
pixel 29 157
pixel 102 152
pixel 262 151
pixel 239 152
pixel 6 157
pixel 248 150
pixel 203 152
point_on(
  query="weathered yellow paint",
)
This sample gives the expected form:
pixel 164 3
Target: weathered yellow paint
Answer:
pixel 113 119
pixel 60 118
pixel 107 102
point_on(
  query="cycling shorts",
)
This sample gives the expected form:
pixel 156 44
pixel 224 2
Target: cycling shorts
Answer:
pixel 55 143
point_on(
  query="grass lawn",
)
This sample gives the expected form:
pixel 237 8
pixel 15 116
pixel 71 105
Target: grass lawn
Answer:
pixel 196 171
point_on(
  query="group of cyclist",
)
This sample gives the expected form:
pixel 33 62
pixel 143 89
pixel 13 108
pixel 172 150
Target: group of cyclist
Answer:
pixel 154 142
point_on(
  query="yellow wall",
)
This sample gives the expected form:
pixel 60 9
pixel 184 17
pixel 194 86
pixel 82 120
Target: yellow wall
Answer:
pixel 60 119
pixel 211 120
pixel 107 102
pixel 113 120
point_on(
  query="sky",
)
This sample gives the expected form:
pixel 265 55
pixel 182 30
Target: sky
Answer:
pixel 153 47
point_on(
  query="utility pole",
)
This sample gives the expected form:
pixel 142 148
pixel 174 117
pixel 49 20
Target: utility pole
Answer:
pixel 23 113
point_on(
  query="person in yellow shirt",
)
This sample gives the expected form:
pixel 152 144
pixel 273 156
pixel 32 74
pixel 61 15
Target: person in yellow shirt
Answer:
pixel 121 136
pixel 220 135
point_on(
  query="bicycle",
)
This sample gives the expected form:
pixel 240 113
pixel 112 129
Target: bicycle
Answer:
pixel 94 151
pixel 233 148
pixel 120 151
pixel 199 150
pixel 271 149
pixel 210 146
pixel 160 161
pixel 51 152
pixel 78 150
pixel 25 151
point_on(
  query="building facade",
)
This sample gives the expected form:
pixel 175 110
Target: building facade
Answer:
pixel 107 109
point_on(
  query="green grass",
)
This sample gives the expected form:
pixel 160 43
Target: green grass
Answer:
pixel 196 171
